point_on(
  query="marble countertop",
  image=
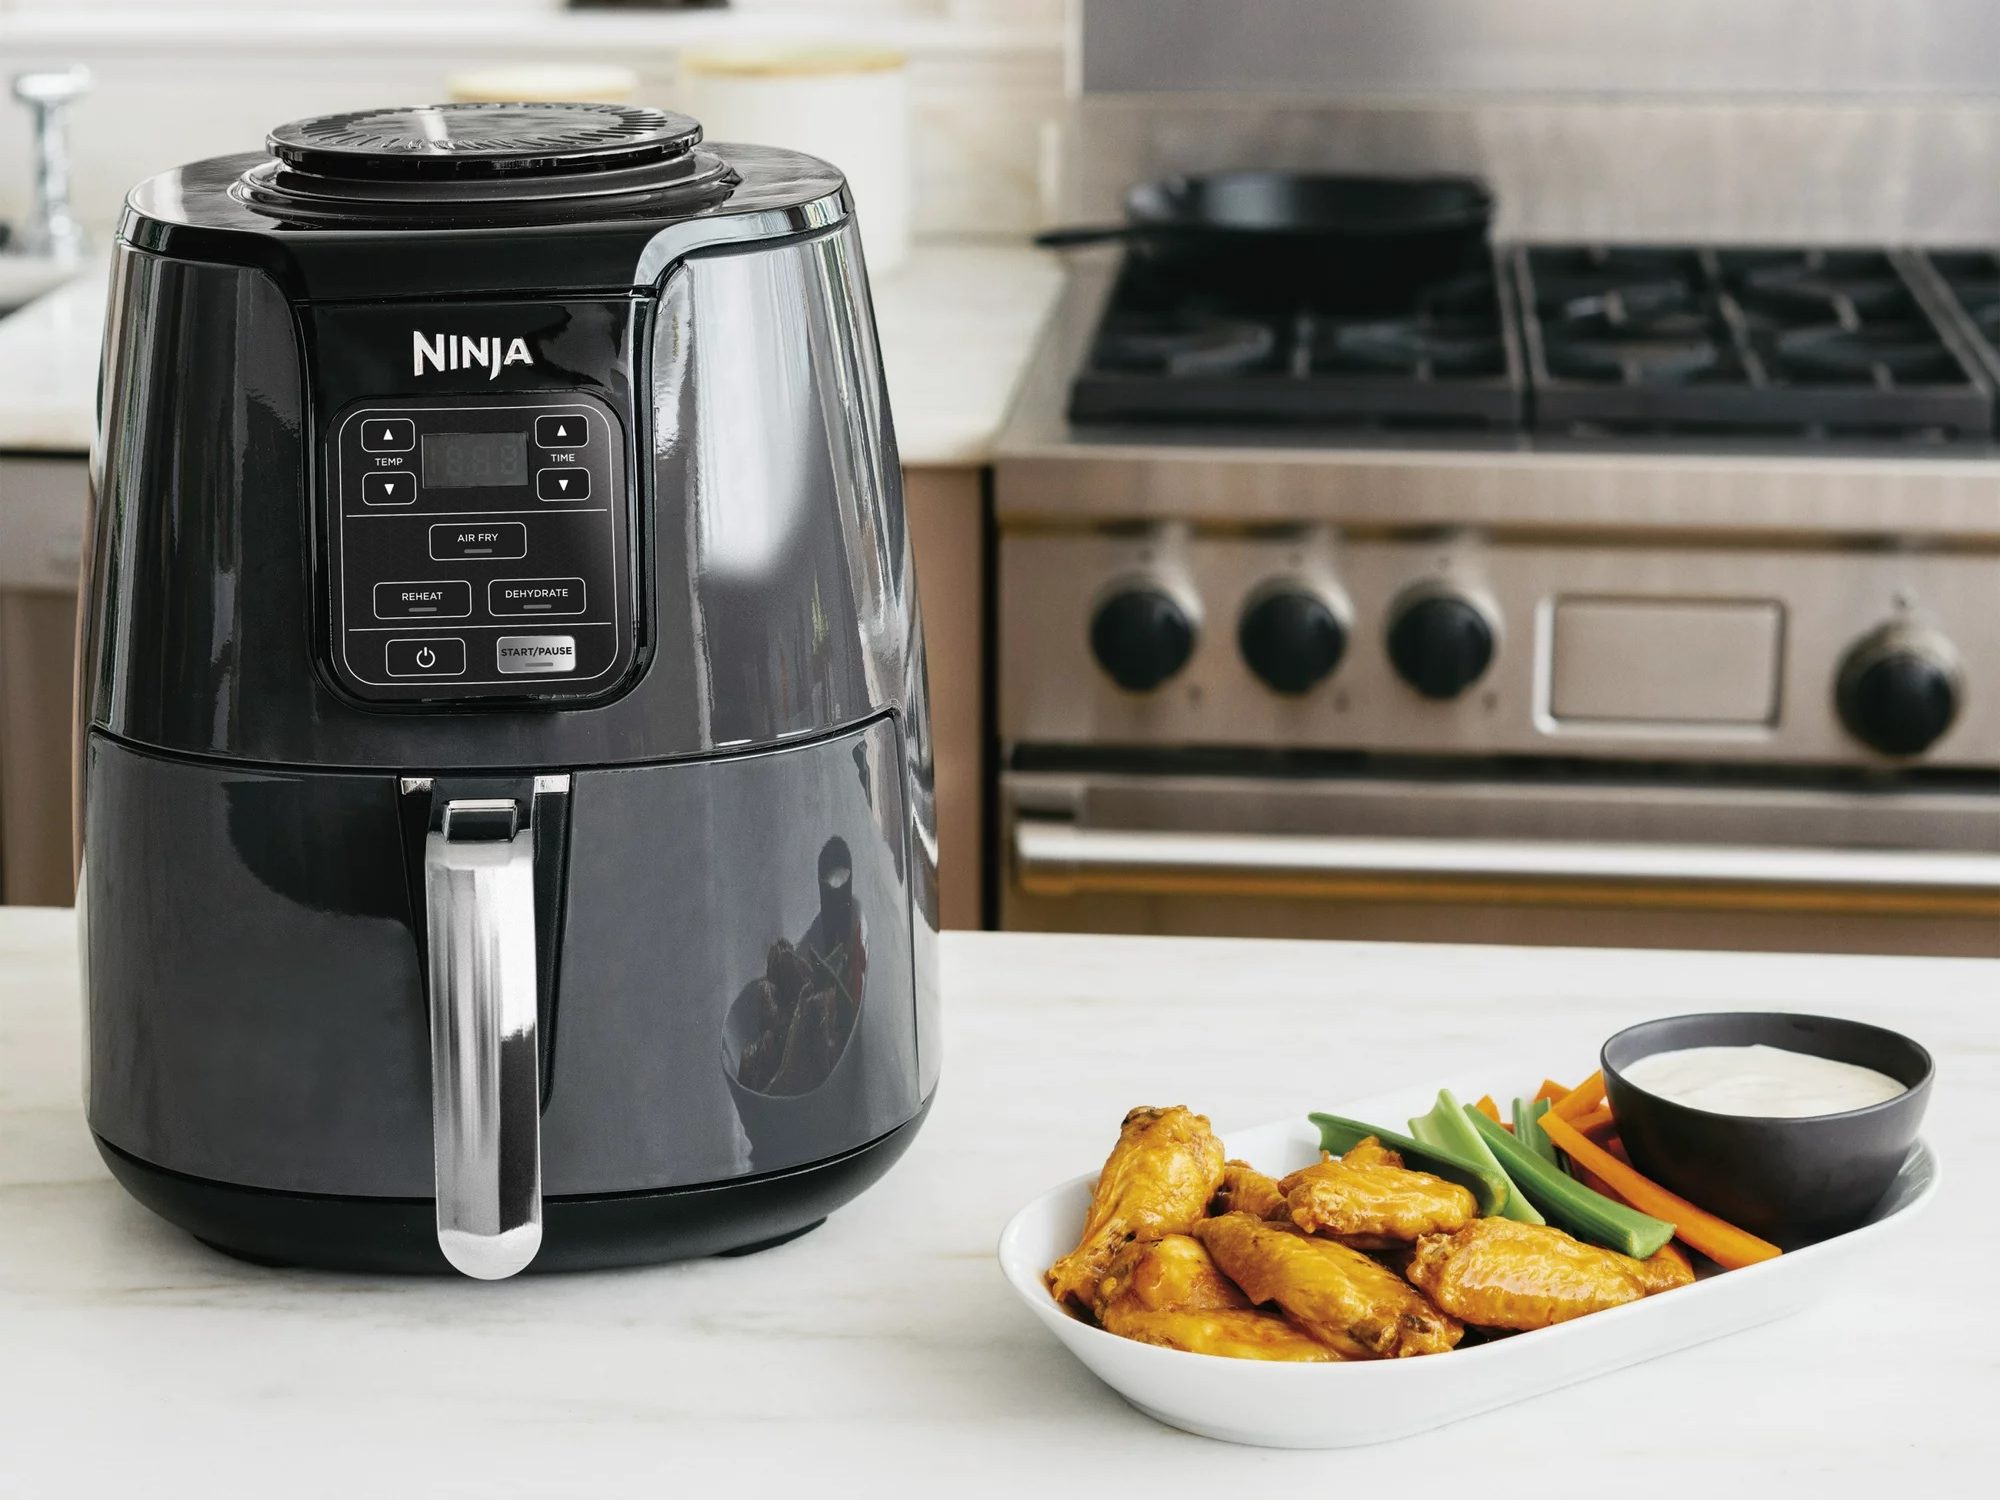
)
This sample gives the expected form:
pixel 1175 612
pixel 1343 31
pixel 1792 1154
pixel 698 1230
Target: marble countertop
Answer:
pixel 883 1352
pixel 957 322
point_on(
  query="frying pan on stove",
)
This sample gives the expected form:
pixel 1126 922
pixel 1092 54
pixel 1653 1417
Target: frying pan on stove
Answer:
pixel 1301 225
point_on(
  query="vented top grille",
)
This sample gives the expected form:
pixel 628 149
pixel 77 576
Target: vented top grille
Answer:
pixel 440 141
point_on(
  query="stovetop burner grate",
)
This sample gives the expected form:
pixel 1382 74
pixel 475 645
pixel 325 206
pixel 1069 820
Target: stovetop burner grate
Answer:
pixel 1579 342
pixel 1449 358
pixel 1694 339
pixel 1970 280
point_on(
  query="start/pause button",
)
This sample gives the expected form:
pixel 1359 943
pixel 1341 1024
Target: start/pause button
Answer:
pixel 518 655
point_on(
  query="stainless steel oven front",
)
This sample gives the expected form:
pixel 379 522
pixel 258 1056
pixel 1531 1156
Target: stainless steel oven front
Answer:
pixel 1291 683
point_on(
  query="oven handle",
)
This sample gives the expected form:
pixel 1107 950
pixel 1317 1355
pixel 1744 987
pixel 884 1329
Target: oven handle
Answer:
pixel 1061 859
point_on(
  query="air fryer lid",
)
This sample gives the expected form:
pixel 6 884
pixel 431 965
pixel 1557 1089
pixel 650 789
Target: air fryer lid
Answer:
pixel 454 162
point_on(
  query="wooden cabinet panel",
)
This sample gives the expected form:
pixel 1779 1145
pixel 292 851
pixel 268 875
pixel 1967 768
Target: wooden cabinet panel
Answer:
pixel 947 518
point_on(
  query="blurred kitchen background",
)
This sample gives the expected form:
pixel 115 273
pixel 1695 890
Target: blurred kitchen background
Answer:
pixel 1631 574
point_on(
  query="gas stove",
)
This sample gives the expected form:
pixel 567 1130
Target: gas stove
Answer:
pixel 1574 340
pixel 1449 358
pixel 1606 570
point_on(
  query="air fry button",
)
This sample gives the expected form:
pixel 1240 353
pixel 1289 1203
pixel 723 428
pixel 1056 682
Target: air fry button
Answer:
pixel 432 656
pixel 522 654
pixel 507 540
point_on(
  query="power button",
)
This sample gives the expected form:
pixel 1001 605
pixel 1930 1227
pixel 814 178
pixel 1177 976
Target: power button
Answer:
pixel 431 656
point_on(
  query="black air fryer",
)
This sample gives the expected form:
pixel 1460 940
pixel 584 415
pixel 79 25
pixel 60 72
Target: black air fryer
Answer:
pixel 506 815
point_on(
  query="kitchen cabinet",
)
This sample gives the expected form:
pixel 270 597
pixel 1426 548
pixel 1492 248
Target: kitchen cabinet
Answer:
pixel 947 517
pixel 41 533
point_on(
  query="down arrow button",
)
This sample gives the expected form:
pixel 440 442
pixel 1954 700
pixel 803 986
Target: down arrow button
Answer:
pixel 563 483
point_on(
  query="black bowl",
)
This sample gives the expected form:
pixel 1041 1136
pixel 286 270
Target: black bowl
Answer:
pixel 1790 1180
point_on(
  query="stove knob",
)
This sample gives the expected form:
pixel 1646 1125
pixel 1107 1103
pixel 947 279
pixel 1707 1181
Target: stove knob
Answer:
pixel 1141 637
pixel 1899 689
pixel 1291 638
pixel 1440 642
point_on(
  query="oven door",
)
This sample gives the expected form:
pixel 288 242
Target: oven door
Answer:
pixel 1518 861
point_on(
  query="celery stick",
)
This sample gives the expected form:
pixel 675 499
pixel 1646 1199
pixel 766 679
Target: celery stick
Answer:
pixel 1528 1129
pixel 1586 1214
pixel 1444 1129
pixel 1487 1184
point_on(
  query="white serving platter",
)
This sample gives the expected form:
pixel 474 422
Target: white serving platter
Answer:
pixel 1343 1405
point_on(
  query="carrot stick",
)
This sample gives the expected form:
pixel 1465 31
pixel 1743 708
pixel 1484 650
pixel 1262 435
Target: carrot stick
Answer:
pixel 1488 1108
pixel 1580 1100
pixel 1551 1090
pixel 1597 1119
pixel 1721 1242
pixel 1597 1184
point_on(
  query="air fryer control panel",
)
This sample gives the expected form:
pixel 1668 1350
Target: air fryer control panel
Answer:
pixel 479 548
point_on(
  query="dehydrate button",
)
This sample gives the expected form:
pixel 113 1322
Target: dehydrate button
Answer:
pixel 535 596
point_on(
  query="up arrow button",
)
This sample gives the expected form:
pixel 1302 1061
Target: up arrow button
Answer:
pixel 561 432
pixel 563 483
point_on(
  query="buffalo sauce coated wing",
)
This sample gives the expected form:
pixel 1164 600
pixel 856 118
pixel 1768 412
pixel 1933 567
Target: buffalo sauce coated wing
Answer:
pixel 1165 1275
pixel 1245 1190
pixel 1368 1198
pixel 1233 1333
pixel 1501 1274
pixel 1351 1304
pixel 1168 1292
pixel 1157 1181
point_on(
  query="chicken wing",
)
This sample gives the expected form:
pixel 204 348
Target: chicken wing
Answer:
pixel 1168 1292
pixel 1369 1200
pixel 1173 1273
pixel 1500 1274
pixel 1348 1302
pixel 1233 1333
pixel 1157 1181
pixel 1245 1190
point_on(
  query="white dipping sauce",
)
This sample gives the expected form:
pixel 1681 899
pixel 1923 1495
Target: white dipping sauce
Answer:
pixel 1765 1081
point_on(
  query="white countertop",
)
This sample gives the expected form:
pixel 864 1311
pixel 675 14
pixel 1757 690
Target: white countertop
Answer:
pixel 957 322
pixel 883 1354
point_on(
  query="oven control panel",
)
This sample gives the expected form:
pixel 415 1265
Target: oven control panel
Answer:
pixel 480 549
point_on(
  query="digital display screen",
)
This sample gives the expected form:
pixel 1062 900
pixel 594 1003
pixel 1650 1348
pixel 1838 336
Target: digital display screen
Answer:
pixel 463 460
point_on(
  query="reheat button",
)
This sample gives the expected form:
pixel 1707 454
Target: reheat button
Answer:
pixel 428 599
pixel 451 540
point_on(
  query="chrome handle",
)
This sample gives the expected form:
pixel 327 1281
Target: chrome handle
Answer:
pixel 1062 859
pixel 479 892
pixel 53 231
